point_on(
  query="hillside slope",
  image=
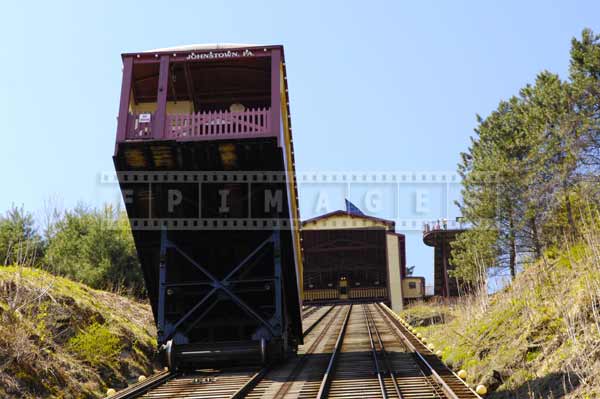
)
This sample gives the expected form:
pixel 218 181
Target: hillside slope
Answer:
pixel 62 339
pixel 538 338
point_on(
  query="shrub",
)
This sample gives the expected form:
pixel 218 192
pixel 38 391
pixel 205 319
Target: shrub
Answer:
pixel 95 247
pixel 96 345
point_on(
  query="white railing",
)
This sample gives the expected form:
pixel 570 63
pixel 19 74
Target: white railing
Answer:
pixel 251 122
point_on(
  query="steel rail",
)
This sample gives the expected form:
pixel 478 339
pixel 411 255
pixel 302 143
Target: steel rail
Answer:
pixel 374 355
pixel 252 382
pixel 387 312
pixel 384 354
pixel 436 389
pixel 135 390
pixel 313 325
pixel 301 363
pixel 326 381
pixel 255 380
pixel 139 389
pixel 309 311
pixel 386 337
pixel 434 386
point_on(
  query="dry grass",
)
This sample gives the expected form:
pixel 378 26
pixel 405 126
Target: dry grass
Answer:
pixel 538 338
pixel 45 325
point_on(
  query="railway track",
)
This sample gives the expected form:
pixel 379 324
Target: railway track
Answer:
pixel 350 351
pixel 370 363
pixel 308 311
pixel 229 383
pixel 450 383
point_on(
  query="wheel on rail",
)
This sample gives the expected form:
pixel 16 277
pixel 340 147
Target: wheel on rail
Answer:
pixel 193 356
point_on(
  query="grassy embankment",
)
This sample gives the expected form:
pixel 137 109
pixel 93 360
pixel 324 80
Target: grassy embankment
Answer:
pixel 538 338
pixel 63 339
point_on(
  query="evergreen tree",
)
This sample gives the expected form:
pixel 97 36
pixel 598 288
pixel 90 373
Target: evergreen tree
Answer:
pixel 531 165
pixel 20 242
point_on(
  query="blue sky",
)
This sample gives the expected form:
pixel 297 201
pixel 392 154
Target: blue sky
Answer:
pixel 378 86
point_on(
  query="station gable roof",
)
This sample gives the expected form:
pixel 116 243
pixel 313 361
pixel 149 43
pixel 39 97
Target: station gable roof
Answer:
pixel 343 219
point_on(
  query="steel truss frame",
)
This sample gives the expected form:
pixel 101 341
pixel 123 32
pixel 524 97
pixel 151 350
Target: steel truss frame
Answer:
pixel 226 285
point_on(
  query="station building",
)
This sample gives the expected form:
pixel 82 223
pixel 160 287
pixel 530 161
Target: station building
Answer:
pixel 413 288
pixel 352 257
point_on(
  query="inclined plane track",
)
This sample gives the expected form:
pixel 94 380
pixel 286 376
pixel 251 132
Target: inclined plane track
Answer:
pixel 349 351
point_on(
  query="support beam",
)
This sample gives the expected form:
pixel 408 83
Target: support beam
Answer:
pixel 172 84
pixel 190 312
pixel 202 316
pixel 276 93
pixel 189 84
pixel 162 287
pixel 159 130
pixel 247 258
pixel 226 285
pixel 125 99
pixel 394 279
pixel 446 287
pixel 278 278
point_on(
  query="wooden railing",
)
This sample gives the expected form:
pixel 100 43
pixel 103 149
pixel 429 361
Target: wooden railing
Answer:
pixel 321 294
pixel 202 125
pixel 252 122
pixel 368 292
pixel 353 293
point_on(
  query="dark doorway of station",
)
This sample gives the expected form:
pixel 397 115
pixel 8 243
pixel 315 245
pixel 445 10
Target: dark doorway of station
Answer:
pixel 343 287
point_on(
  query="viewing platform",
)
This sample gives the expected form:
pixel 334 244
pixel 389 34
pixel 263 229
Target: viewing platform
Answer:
pixel 208 125
pixel 204 93
pixel 436 232
pixel 440 234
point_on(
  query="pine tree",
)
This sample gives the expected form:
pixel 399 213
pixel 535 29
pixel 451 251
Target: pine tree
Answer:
pixel 529 167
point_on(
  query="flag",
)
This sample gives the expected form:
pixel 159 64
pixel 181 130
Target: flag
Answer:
pixel 353 209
